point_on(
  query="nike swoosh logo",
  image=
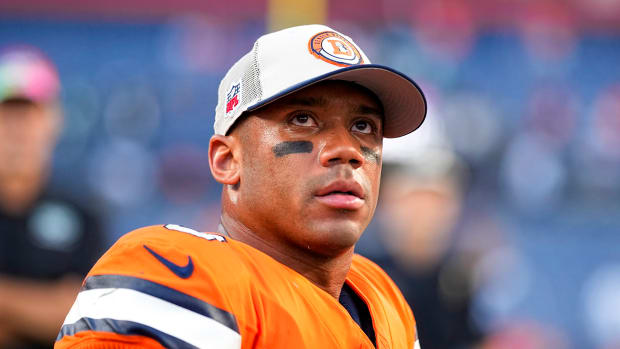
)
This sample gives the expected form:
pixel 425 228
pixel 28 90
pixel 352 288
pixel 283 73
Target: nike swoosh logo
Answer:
pixel 181 271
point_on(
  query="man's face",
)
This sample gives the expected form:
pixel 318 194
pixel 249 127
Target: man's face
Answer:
pixel 310 167
pixel 27 135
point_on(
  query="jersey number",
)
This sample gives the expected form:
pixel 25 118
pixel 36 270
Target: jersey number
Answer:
pixel 183 229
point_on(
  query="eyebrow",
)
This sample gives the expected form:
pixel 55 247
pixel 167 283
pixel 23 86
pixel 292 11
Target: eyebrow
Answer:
pixel 368 110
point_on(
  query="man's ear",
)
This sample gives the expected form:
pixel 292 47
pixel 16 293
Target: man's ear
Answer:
pixel 224 162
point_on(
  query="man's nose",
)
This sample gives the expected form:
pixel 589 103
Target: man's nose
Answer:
pixel 341 147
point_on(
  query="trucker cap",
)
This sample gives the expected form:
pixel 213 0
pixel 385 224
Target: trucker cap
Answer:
pixel 26 73
pixel 288 60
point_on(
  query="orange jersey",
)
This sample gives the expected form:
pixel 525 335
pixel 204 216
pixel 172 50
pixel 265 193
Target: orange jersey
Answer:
pixel 170 286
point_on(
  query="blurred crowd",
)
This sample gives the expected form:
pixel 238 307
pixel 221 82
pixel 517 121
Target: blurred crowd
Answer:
pixel 498 218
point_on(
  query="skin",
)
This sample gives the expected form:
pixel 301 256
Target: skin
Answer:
pixel 29 309
pixel 28 132
pixel 272 201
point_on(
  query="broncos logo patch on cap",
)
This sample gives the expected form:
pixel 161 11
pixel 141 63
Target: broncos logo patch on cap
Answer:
pixel 334 48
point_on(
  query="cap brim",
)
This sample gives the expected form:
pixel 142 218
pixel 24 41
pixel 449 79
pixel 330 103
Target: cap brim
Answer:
pixel 403 101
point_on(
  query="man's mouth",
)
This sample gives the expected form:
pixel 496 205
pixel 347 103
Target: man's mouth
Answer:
pixel 348 195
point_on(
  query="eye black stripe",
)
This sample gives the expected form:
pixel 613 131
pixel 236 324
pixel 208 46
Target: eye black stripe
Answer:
pixel 292 147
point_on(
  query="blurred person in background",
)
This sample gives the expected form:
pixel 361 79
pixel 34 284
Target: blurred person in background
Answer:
pixel 421 197
pixel 47 241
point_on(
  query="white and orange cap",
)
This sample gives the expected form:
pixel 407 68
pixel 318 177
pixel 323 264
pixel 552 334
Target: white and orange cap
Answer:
pixel 288 60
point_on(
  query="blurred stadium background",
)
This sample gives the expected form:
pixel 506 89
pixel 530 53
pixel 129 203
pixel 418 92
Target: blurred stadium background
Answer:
pixel 526 94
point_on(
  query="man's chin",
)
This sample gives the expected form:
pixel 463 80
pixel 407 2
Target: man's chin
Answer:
pixel 335 236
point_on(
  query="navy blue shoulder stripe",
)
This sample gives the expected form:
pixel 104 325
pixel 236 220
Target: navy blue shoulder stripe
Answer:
pixel 122 327
pixel 165 293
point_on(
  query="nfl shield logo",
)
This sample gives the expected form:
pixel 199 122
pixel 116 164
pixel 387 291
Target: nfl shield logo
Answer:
pixel 232 97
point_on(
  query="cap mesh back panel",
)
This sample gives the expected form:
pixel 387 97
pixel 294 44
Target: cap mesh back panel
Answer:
pixel 250 82
pixel 246 73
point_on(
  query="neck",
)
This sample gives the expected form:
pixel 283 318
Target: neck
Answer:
pixel 326 272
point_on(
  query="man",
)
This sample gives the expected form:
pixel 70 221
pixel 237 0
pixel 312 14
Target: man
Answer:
pixel 47 242
pixel 420 209
pixel 298 134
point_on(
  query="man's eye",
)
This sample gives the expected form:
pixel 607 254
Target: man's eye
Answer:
pixel 303 119
pixel 362 126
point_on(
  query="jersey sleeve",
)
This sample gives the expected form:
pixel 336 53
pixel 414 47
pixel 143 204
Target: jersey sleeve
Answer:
pixel 399 308
pixel 152 289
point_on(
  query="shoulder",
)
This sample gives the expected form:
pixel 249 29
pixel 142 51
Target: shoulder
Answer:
pixel 376 278
pixel 170 238
pixel 372 272
pixel 172 254
pixel 162 282
pixel 379 280
pixel 55 232
pixel 167 234
pixel 65 223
